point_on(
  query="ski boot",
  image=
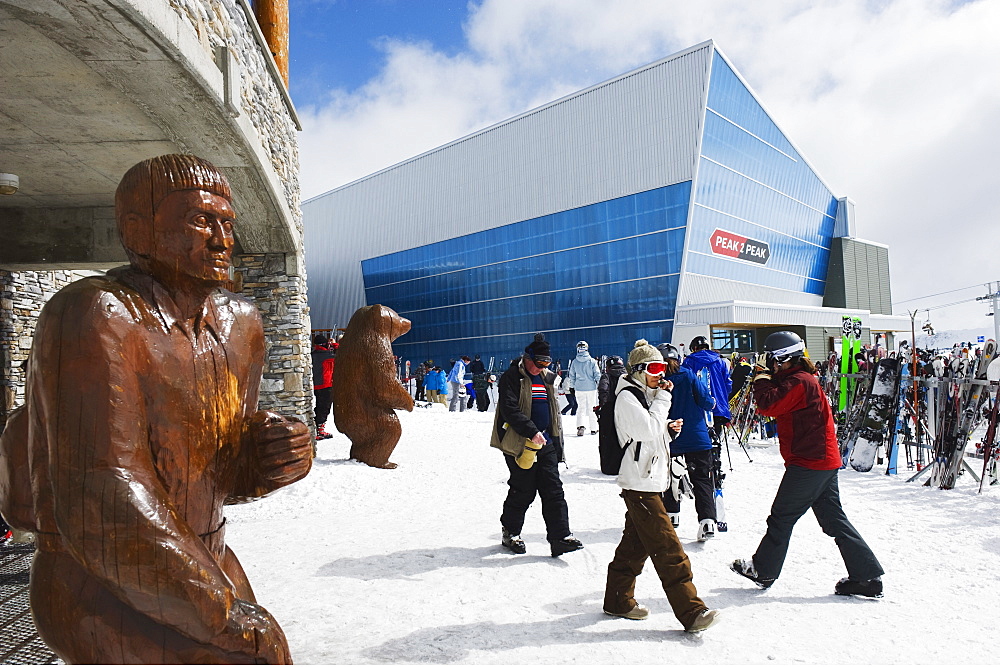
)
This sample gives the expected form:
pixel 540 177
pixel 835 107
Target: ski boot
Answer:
pixel 580 430
pixel 706 530
pixel 871 588
pixel 745 568
pixel 513 542
pixel 566 545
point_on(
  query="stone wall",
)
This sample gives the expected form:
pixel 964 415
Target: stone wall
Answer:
pixel 225 23
pixel 22 295
pixel 275 281
pixel 287 384
pixel 281 299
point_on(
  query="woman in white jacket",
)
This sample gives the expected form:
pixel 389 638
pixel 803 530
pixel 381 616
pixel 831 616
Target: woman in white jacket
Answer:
pixel 643 476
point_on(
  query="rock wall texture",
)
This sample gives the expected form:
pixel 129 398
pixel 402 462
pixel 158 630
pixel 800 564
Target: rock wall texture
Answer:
pixel 226 23
pixel 287 383
pixel 281 299
pixel 22 295
pixel 265 278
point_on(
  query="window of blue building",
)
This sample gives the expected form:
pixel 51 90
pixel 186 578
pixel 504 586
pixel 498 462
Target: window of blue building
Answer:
pixel 606 273
pixel 753 185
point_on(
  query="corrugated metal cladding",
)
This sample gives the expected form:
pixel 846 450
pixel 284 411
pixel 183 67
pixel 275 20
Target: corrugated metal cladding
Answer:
pixel 859 276
pixel 634 133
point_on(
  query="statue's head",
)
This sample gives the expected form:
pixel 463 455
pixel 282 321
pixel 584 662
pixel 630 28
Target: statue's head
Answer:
pixel 175 217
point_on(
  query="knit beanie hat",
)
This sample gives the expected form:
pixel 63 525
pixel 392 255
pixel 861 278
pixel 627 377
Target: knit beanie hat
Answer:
pixel 643 352
pixel 538 350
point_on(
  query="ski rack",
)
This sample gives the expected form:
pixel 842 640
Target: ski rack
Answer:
pixel 936 382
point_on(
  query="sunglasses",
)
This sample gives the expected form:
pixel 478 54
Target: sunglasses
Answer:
pixel 652 368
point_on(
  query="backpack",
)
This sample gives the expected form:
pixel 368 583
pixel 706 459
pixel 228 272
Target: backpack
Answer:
pixel 610 449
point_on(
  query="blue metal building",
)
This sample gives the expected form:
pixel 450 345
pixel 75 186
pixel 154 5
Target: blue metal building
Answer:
pixel 662 204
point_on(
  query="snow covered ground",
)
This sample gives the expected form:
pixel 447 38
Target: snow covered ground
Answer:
pixel 405 566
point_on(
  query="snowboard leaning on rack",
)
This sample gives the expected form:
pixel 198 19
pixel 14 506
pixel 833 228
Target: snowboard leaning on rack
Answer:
pixel 878 414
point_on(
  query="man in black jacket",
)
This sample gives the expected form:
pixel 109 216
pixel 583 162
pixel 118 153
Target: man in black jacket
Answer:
pixel 528 411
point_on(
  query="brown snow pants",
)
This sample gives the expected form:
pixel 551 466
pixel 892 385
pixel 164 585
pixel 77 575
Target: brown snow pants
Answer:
pixel 649 534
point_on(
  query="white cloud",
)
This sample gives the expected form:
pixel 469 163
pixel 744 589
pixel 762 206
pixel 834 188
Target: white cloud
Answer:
pixel 894 103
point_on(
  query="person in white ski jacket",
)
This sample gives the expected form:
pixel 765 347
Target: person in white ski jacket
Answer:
pixel 635 424
pixel 644 475
pixel 583 377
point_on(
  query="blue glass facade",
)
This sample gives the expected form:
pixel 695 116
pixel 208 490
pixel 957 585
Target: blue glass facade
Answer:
pixel 606 272
pixel 609 272
pixel 752 183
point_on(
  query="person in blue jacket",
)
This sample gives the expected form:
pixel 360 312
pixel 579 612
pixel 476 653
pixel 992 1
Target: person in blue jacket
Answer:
pixel 703 357
pixel 691 401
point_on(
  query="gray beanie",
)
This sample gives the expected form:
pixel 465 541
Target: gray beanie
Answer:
pixel 643 352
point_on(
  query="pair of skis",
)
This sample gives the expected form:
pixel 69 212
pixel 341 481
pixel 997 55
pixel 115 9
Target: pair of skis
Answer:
pixel 717 475
pixel 850 347
pixel 991 453
pixel 962 413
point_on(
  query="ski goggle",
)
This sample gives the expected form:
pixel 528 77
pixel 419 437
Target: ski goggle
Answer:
pixel 652 368
pixel 786 353
pixel 541 363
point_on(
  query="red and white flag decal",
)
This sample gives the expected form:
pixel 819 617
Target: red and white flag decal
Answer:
pixel 729 244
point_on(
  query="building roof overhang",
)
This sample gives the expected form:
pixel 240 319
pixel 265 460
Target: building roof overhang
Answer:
pixel 750 314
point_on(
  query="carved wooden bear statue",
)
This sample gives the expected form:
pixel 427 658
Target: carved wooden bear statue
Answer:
pixel 365 388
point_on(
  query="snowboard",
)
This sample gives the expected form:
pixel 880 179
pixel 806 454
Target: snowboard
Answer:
pixel 878 418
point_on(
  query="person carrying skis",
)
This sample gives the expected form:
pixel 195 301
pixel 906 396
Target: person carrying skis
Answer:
pixel 691 401
pixel 583 377
pixel 788 390
pixel 527 415
pixel 641 426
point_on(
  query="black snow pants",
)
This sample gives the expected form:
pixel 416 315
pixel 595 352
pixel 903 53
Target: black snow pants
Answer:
pixel 800 490
pixel 541 479
pixel 699 466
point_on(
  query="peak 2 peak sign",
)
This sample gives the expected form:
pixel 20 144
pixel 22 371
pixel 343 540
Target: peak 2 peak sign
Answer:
pixel 729 244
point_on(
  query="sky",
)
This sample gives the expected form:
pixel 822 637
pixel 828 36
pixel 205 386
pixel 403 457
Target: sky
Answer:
pixel 894 102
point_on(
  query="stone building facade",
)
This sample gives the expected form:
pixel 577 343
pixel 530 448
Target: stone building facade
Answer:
pixel 227 103
pixel 22 295
pixel 275 281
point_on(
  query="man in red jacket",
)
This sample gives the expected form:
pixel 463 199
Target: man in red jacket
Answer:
pixel 788 391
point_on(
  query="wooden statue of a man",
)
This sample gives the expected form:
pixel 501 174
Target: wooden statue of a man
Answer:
pixel 142 423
